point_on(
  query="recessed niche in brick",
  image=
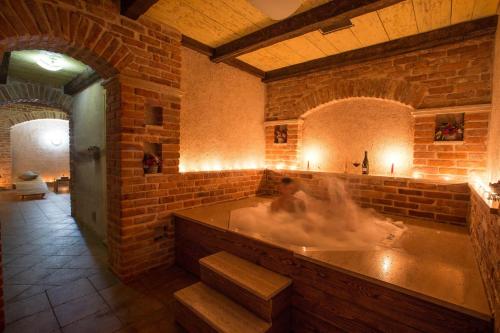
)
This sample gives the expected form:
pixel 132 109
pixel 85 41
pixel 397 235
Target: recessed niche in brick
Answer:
pixel 154 115
pixel 152 155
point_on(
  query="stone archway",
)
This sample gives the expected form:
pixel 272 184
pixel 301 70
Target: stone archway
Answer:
pixel 392 90
pixel 25 92
pixel 140 62
pixel 34 115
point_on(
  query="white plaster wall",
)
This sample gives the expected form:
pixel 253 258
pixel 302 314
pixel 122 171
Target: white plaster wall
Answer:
pixel 32 148
pixel 222 116
pixel 339 133
pixel 494 125
pixel 89 175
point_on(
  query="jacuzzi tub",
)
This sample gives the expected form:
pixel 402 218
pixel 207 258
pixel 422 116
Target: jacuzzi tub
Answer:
pixel 430 282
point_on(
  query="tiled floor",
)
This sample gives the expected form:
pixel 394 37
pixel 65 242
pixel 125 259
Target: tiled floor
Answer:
pixel 56 277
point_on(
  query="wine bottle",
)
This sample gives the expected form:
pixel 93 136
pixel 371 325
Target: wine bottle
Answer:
pixel 365 166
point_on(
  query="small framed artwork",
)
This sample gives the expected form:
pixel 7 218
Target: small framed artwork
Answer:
pixel 449 127
pixel 280 134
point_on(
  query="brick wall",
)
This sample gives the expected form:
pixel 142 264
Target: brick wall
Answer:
pixel 449 75
pixel 438 201
pixel 285 155
pixel 485 235
pixel 118 49
pixel 26 92
pixel 453 75
pixel 10 115
pixel 456 160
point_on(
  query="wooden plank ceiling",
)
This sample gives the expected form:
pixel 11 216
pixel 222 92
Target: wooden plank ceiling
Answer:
pixel 217 22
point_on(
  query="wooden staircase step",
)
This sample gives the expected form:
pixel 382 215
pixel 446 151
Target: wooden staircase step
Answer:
pixel 256 279
pixel 259 290
pixel 200 308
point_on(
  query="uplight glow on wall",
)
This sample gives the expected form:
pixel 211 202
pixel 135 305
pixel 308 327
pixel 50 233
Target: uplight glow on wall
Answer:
pixel 217 165
pixel 53 139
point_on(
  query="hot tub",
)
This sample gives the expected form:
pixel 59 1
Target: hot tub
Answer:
pixel 429 283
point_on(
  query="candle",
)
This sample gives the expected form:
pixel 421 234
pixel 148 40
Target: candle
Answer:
pixel 392 169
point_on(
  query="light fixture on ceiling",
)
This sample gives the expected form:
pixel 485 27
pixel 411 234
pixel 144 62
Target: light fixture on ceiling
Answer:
pixel 277 9
pixel 50 61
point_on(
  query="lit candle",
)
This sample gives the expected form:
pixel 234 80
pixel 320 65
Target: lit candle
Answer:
pixel 392 169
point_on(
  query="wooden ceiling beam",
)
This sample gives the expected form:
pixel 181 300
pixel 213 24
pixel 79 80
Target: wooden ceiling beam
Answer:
pixel 135 8
pixel 81 82
pixel 209 51
pixel 4 68
pixel 328 14
pixel 451 34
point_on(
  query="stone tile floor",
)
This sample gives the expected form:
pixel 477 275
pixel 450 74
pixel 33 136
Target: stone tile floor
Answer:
pixel 56 277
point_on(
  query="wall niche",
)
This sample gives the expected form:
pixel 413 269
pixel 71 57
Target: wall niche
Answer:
pixel 152 160
pixel 153 115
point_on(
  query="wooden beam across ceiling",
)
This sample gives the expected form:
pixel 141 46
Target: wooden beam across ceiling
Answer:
pixel 451 34
pixel 81 82
pixel 4 68
pixel 135 8
pixel 328 14
pixel 209 51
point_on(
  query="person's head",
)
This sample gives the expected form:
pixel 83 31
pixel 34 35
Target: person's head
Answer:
pixel 288 186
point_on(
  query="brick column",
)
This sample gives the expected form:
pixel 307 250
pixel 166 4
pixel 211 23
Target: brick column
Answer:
pixel 140 230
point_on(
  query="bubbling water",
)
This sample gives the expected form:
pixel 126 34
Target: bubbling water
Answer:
pixel 334 224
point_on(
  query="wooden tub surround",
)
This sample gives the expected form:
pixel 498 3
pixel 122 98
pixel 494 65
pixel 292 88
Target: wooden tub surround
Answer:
pixel 431 284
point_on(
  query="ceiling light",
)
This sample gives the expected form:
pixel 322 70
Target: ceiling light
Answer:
pixel 50 61
pixel 277 9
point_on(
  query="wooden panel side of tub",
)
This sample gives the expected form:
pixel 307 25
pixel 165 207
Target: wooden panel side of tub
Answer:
pixel 324 299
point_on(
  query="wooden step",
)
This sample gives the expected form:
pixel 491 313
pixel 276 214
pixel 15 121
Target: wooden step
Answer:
pixel 201 309
pixel 265 293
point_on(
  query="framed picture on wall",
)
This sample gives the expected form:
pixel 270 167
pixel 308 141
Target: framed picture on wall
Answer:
pixel 280 134
pixel 449 127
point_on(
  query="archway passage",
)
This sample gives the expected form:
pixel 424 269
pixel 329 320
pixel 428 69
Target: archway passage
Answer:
pixel 140 62
pixel 10 115
pixel 41 146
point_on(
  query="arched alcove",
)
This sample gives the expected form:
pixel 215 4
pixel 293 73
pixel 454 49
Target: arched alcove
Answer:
pixel 336 134
pixel 42 146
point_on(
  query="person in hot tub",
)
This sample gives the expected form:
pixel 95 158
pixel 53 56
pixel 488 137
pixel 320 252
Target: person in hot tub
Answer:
pixel 287 202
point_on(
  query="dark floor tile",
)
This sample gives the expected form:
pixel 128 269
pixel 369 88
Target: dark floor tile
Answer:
pixel 42 322
pixel 70 291
pixel 97 323
pixel 80 308
pixel 26 307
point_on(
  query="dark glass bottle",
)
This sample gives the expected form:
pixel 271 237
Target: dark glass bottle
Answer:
pixel 365 167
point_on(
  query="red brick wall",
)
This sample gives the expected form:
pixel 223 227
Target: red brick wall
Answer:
pixel 456 160
pixel 485 236
pixel 25 92
pixel 287 154
pixel 441 202
pixel 449 75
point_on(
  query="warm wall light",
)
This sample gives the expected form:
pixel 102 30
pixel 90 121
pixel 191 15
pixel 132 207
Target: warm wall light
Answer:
pixel 50 61
pixel 392 160
pixel 312 158
pixel 417 175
